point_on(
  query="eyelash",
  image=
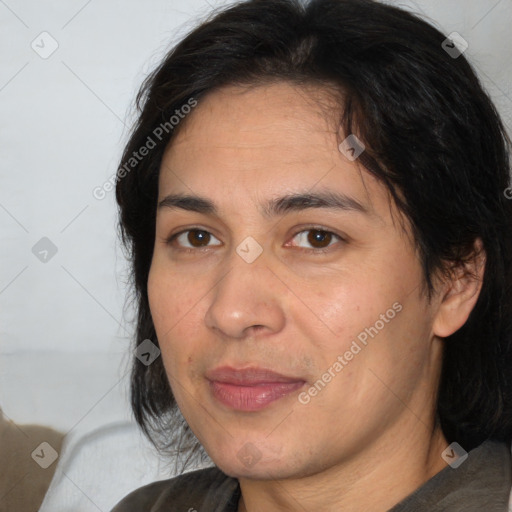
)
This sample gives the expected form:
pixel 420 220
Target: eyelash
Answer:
pixel 170 240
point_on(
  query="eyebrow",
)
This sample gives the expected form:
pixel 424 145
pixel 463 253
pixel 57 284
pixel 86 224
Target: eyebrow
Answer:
pixel 274 207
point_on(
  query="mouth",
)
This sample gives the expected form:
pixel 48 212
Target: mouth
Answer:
pixel 250 389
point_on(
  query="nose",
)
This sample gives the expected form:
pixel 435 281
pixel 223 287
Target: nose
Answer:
pixel 248 301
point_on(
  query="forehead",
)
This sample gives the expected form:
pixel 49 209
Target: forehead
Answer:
pixel 278 115
pixel 260 142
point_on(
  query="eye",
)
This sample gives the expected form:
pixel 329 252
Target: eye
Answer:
pixel 320 239
pixel 197 238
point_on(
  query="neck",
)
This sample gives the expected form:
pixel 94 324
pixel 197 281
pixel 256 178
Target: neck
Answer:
pixel 376 478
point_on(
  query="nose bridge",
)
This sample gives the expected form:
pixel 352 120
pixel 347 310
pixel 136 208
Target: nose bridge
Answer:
pixel 245 296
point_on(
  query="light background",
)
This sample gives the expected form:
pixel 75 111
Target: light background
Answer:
pixel 64 337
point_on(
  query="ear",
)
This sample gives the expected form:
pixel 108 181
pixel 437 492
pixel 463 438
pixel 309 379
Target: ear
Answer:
pixel 460 294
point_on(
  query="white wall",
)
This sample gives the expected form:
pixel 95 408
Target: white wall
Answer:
pixel 63 339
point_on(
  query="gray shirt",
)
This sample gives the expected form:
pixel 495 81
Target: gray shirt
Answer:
pixel 481 483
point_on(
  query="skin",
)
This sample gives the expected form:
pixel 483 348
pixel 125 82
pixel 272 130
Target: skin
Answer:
pixel 367 439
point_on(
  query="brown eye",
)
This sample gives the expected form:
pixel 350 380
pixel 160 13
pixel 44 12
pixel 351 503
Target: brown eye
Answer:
pixel 319 239
pixel 198 238
pixel 190 239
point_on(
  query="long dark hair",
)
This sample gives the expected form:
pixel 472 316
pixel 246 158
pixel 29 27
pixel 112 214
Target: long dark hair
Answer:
pixel 432 136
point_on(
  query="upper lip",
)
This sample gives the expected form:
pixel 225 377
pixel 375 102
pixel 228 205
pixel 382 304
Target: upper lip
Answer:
pixel 248 376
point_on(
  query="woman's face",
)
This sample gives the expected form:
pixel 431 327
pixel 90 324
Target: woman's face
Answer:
pixel 294 334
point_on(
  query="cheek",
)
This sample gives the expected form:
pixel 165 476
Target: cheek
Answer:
pixel 159 297
pixel 166 310
pixel 351 297
pixel 170 300
pixel 371 324
pixel 339 313
pixel 175 307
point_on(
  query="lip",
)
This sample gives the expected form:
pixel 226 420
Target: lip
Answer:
pixel 250 389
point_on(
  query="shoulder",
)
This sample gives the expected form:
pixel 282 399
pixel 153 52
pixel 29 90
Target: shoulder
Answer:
pixel 474 481
pixel 203 487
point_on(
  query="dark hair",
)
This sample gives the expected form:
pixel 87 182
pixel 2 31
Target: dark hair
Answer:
pixel 432 136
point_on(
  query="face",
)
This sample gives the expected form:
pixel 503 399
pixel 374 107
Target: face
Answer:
pixel 293 332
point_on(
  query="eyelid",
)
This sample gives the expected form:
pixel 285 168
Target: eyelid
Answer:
pixel 311 227
pixel 169 240
pixel 323 230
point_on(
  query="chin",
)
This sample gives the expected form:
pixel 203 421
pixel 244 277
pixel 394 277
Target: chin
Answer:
pixel 257 461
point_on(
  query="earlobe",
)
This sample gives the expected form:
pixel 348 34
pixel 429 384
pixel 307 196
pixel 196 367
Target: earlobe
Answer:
pixel 460 294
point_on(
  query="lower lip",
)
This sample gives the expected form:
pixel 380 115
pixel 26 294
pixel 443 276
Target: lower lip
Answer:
pixel 252 398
